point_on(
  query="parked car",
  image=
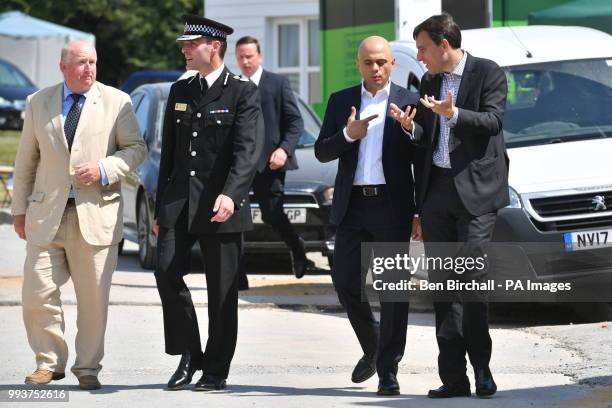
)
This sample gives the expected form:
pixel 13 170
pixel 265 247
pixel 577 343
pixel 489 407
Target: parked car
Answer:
pixel 558 132
pixel 15 87
pixel 308 190
pixel 137 78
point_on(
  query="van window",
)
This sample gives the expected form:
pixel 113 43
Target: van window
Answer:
pixel 558 102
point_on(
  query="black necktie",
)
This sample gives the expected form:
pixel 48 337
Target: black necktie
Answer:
pixel 72 120
pixel 203 85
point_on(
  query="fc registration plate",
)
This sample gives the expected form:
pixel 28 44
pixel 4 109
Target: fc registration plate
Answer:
pixel 295 215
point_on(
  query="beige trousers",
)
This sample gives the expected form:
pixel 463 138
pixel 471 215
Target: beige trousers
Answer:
pixel 46 270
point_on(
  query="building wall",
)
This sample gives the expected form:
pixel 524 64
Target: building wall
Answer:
pixel 255 18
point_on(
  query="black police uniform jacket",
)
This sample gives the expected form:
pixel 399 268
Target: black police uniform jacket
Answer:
pixel 209 147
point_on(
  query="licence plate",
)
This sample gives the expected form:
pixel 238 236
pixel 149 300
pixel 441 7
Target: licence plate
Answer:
pixel 295 215
pixel 577 241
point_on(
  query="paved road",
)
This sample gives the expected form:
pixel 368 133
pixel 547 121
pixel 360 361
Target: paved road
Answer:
pixel 295 350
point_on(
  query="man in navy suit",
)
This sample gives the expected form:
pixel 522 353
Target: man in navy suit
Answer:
pixel 283 128
pixel 373 201
pixel 464 183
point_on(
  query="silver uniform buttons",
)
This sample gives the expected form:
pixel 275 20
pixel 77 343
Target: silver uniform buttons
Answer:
pixel 192 173
pixel 193 153
pixel 218 122
pixel 194 134
pixel 199 115
pixel 178 121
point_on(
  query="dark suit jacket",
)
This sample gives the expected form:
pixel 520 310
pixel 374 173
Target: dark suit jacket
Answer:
pixel 396 154
pixel 221 128
pixel 282 119
pixel 478 153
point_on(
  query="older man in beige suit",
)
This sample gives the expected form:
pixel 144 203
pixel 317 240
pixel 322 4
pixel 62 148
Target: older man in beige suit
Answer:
pixel 79 139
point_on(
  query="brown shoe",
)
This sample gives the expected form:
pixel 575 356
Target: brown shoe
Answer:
pixel 89 382
pixel 40 376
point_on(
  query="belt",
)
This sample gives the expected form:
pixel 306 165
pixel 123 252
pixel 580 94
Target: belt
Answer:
pixel 370 191
pixel 441 171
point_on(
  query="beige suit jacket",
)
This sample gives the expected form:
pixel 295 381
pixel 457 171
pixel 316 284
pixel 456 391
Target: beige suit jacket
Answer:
pixel 107 131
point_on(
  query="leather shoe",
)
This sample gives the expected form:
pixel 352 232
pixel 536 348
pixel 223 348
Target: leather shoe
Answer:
pixel 243 281
pixel 388 385
pixel 89 383
pixel 365 368
pixel 183 374
pixel 300 266
pixel 485 386
pixel 40 376
pixel 451 390
pixel 209 382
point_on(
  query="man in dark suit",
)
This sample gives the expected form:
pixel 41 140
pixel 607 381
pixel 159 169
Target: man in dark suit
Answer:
pixel 373 201
pixel 464 183
pixel 209 152
pixel 283 128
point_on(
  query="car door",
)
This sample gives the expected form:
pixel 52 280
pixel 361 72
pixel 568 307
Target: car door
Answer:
pixel 129 187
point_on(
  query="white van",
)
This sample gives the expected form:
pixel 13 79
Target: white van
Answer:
pixel 558 131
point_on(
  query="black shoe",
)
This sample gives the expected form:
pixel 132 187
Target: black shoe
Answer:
pixel 299 262
pixel 183 374
pixel 365 368
pixel 243 282
pixel 209 382
pixel 450 391
pixel 300 266
pixel 388 385
pixel 485 386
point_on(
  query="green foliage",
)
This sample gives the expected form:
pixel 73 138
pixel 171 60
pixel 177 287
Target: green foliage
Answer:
pixel 9 141
pixel 130 34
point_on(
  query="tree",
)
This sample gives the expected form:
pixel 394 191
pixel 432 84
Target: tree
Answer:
pixel 130 34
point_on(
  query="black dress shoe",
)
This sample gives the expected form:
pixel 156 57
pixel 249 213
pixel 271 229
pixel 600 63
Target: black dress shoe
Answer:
pixel 365 368
pixel 243 281
pixel 485 386
pixel 184 373
pixel 388 385
pixel 299 262
pixel 450 391
pixel 209 382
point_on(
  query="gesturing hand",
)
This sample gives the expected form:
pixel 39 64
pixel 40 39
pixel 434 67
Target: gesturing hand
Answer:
pixel 357 129
pixel 442 108
pixel 224 208
pixel 405 118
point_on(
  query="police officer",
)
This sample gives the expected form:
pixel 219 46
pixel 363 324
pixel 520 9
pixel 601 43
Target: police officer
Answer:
pixel 208 158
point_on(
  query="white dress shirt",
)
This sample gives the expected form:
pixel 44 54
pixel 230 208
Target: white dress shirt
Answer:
pixel 369 163
pixel 213 76
pixel 256 77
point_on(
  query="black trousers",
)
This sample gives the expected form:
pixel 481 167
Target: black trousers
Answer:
pixel 268 191
pixel 220 254
pixel 369 219
pixel 461 326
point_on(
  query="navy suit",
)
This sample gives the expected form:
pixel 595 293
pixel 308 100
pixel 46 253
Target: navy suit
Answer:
pixel 460 204
pixel 283 128
pixel 386 217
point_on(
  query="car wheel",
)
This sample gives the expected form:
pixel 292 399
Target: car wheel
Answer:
pixel 146 250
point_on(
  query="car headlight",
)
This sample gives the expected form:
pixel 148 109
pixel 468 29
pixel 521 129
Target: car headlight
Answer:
pixel 328 195
pixel 515 199
pixel 5 103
